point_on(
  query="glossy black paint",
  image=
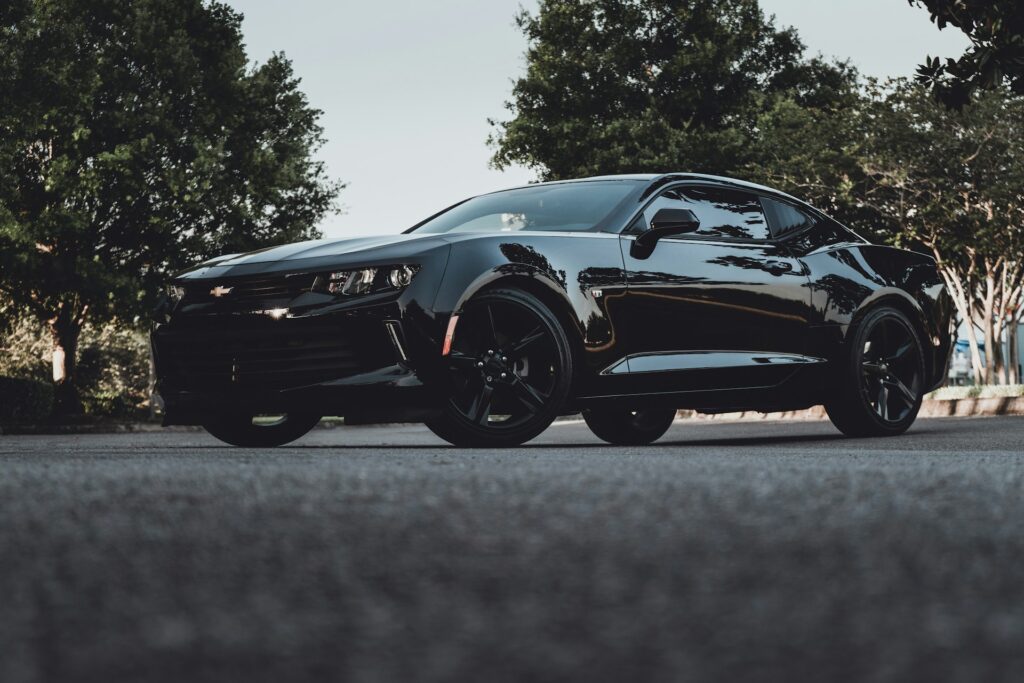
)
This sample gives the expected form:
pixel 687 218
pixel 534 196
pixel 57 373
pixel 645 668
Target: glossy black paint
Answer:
pixel 707 321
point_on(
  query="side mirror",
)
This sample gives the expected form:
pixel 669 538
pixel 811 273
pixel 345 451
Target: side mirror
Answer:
pixel 666 222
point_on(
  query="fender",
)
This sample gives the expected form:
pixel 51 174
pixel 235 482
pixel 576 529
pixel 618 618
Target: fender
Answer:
pixel 513 273
pixel 584 288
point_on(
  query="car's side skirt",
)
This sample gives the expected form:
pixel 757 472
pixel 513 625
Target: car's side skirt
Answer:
pixel 716 380
pixel 684 361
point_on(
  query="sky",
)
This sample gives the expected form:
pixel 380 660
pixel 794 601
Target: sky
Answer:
pixel 407 87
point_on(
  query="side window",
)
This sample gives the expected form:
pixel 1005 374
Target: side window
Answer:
pixel 784 218
pixel 723 212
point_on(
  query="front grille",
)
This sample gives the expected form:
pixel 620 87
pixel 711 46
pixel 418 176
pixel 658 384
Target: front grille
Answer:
pixel 249 289
pixel 272 357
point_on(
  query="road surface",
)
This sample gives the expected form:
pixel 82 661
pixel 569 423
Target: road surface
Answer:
pixel 726 552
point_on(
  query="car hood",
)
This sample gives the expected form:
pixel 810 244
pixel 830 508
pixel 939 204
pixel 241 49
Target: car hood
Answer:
pixel 312 254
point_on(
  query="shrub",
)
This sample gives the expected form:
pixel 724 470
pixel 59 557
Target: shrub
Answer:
pixel 113 370
pixel 24 400
pixel 113 361
pixel 106 405
pixel 25 346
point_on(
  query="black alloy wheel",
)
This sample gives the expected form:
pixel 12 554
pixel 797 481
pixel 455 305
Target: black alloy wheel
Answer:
pixel 882 392
pixel 510 369
pixel 260 431
pixel 625 427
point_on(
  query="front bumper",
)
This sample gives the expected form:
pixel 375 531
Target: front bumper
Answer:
pixel 369 364
pixel 391 394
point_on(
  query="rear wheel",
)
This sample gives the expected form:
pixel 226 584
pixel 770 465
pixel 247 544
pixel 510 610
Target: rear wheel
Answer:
pixel 257 431
pixel 881 380
pixel 624 427
pixel 510 368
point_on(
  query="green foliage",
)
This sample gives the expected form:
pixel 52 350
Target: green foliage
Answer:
pixel 24 346
pixel 615 86
pixel 952 181
pixel 24 400
pixel 135 139
pixel 948 179
pixel 995 58
pixel 814 153
pixel 113 371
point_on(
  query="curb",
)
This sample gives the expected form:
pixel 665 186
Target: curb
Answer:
pixel 970 407
pixel 957 407
pixel 99 428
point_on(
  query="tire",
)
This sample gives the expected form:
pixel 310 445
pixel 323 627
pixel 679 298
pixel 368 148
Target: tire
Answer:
pixel 623 427
pixel 246 430
pixel 511 369
pixel 880 377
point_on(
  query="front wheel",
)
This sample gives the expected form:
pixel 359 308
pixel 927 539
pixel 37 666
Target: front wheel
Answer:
pixel 510 368
pixel 623 427
pixel 880 380
pixel 259 431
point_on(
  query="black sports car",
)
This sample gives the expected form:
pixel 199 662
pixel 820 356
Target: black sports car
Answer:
pixel 624 297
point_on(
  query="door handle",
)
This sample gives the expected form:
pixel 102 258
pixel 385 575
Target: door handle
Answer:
pixel 778 267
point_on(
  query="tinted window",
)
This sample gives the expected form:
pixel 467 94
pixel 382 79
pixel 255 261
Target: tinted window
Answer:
pixel 568 206
pixel 784 218
pixel 722 212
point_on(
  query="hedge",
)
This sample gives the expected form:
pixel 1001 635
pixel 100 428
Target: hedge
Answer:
pixel 24 400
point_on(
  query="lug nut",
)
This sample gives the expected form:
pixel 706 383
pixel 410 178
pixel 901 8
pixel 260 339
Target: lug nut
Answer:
pixel 489 378
pixel 504 359
pixel 490 352
pixel 504 375
pixel 480 364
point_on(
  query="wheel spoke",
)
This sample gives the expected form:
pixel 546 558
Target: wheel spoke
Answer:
pixel 901 351
pixel 461 361
pixel 872 368
pixel 883 401
pixel 535 335
pixel 490 322
pixel 480 408
pixel 883 333
pixel 530 397
pixel 909 396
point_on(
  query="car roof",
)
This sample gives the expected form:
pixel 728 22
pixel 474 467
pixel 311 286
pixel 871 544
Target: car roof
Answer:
pixel 657 179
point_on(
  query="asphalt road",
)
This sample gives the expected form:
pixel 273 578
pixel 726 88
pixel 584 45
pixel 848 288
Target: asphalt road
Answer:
pixel 727 552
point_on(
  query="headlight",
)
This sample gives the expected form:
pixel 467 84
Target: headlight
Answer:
pixel 366 280
pixel 175 293
pixel 399 277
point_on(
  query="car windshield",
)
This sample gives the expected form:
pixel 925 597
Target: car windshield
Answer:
pixel 567 206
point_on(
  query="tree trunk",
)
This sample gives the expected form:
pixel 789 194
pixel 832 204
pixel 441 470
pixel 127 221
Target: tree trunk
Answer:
pixel 155 402
pixel 1013 361
pixel 955 284
pixel 990 351
pixel 976 365
pixel 65 329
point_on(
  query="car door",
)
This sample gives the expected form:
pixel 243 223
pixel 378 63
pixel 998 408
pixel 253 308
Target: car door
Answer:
pixel 722 307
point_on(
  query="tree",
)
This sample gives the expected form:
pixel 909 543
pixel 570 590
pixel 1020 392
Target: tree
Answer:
pixel 616 86
pixel 813 153
pixel 995 58
pixel 135 138
pixel 952 181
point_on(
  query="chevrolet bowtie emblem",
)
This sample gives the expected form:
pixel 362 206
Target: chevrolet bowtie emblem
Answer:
pixel 219 291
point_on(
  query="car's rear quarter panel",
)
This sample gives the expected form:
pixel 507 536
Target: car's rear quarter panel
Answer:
pixel 849 278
